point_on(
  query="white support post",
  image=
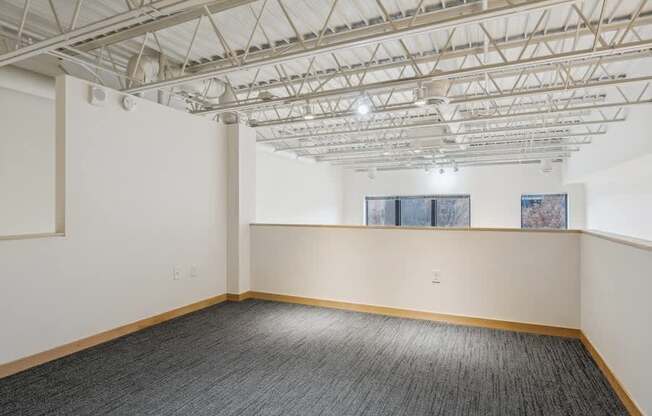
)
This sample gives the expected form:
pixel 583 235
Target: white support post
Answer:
pixel 241 204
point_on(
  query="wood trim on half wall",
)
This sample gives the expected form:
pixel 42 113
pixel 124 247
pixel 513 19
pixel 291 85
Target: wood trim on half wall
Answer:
pixel 429 316
pixel 618 388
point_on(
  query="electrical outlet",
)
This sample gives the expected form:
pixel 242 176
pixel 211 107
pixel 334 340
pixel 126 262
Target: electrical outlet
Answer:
pixel 193 272
pixel 436 277
pixel 176 273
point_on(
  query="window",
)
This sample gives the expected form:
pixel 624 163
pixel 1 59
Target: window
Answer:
pixel 544 211
pixel 419 211
pixel 381 211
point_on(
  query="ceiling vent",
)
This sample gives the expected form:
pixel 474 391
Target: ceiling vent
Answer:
pixel 432 93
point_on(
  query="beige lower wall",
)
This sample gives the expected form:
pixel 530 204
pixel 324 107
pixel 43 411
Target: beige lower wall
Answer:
pixel 528 277
pixel 616 312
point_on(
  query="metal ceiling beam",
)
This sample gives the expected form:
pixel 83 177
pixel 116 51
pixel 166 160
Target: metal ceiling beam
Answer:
pixel 379 148
pixel 325 48
pixel 279 103
pixel 162 23
pixel 384 129
pixel 543 154
pixel 505 150
pixel 487 132
pixel 478 162
pixel 99 28
pixel 453 74
pixel 467 100
pixel 363 28
pixel 456 52
pixel 463 164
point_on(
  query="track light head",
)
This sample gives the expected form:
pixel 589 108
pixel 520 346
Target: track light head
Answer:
pixel 307 112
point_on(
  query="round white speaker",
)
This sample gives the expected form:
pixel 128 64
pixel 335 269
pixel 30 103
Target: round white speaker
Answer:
pixel 129 103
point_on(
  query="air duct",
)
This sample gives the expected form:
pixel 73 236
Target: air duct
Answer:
pixel 144 69
pixel 208 90
pixel 150 68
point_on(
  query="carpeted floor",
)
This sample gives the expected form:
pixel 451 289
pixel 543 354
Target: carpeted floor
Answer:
pixel 267 358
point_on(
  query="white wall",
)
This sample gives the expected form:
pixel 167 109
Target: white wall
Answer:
pixel 27 175
pixel 617 312
pixel 495 191
pixel 145 191
pixel 619 199
pixel 296 191
pixel 617 172
pixel 516 276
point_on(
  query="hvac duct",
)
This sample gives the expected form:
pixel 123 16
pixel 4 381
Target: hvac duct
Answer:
pixel 149 68
pixel 145 69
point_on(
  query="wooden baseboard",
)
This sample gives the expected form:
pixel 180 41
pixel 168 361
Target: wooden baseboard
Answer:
pixel 82 344
pixel 237 297
pixel 618 388
pixel 430 316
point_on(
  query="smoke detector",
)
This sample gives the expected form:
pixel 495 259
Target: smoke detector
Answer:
pixel 97 96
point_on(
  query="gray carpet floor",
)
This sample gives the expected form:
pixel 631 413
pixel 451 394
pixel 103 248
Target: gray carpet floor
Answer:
pixel 268 358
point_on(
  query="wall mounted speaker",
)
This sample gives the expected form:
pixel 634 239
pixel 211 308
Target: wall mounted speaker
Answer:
pixel 129 103
pixel 97 96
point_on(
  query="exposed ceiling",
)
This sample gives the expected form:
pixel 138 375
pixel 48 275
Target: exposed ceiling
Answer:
pixel 366 84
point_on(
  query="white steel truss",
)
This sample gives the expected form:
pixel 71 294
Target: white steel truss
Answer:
pixel 526 78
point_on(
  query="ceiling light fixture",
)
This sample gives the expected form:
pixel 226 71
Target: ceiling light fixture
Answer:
pixel 307 112
pixel 420 96
pixel 364 105
pixel 363 109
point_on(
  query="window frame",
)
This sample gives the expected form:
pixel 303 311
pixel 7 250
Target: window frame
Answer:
pixel 432 198
pixel 564 194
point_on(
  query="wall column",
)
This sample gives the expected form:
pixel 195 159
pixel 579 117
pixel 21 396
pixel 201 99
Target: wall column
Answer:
pixel 241 204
